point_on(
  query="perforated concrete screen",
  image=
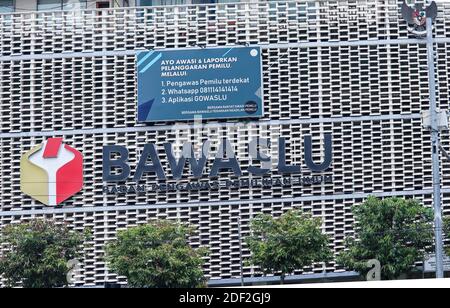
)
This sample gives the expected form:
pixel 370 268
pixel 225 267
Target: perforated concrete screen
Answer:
pixel 343 67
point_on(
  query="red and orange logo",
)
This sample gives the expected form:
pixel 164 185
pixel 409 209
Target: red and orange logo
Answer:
pixel 51 172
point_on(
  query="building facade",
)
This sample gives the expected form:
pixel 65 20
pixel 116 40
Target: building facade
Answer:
pixel 347 68
pixel 8 6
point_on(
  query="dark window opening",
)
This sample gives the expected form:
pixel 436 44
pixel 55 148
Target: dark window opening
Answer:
pixel 102 4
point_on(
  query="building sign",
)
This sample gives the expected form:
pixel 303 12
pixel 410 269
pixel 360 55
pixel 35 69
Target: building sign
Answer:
pixel 216 83
pixel 118 170
pixel 51 172
pixel 416 15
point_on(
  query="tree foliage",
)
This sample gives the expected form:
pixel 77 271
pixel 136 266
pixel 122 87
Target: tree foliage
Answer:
pixel 395 231
pixel 157 255
pixel 37 253
pixel 447 233
pixel 284 244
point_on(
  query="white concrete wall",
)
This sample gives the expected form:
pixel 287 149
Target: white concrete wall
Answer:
pixel 91 5
pixel 26 5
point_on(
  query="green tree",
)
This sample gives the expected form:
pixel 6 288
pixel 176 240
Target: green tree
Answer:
pixel 284 244
pixel 37 253
pixel 157 255
pixel 395 231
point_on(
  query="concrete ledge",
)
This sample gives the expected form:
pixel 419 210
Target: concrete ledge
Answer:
pixel 307 278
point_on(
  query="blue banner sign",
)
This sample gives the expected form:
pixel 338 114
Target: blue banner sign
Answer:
pixel 214 83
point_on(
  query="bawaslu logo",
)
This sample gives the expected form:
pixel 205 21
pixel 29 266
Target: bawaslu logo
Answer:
pixel 51 172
